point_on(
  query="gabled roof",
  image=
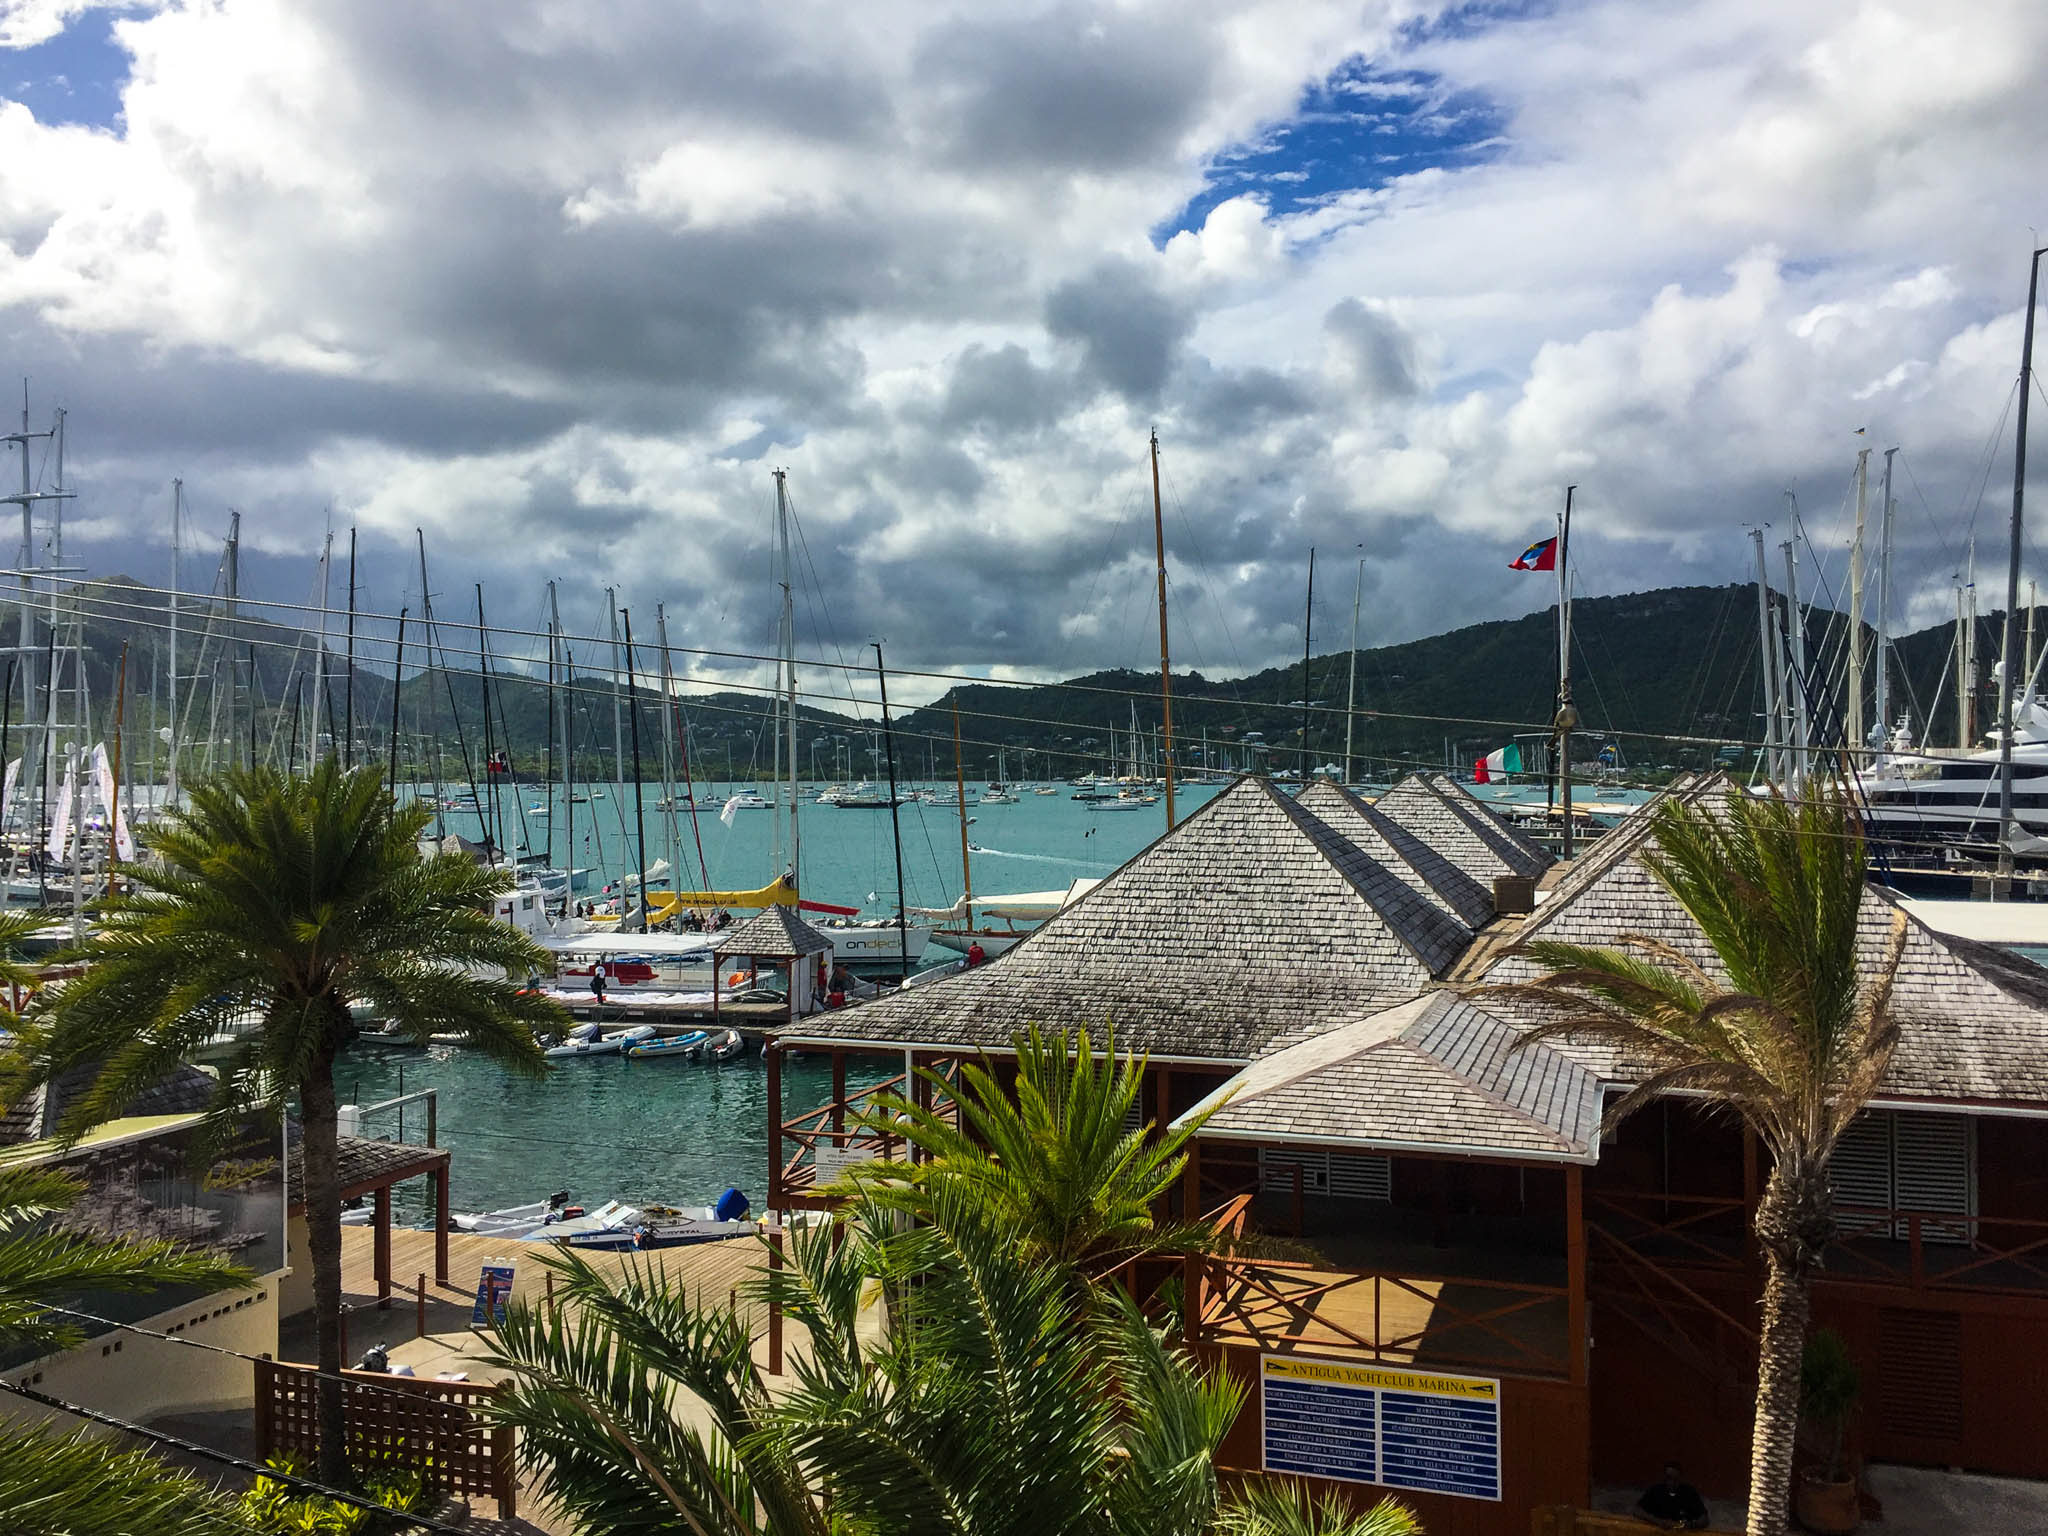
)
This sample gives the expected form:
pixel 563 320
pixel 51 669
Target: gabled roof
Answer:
pixel 777 934
pixel 1973 1020
pixel 1250 918
pixel 39 1112
pixel 1461 830
pixel 1435 1074
pixel 1412 861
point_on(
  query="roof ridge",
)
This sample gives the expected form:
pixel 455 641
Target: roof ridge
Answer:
pixel 1512 846
pixel 1386 905
pixel 1493 1097
pixel 1456 889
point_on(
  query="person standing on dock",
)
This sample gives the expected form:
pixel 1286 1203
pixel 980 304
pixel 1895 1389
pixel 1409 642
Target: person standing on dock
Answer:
pixel 597 975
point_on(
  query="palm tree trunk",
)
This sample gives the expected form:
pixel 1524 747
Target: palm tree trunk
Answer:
pixel 1794 1223
pixel 323 1244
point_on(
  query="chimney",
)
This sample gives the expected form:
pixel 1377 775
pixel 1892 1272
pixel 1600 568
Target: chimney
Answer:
pixel 1514 895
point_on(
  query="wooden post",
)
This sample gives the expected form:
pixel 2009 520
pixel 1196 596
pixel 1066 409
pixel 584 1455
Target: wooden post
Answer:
pixel 1191 1184
pixel 838 1097
pixel 1575 1272
pixel 551 1296
pixel 774 1059
pixel 1193 1272
pixel 380 1253
pixel 442 1222
pixel 1163 1085
pixel 420 1301
pixel 775 1308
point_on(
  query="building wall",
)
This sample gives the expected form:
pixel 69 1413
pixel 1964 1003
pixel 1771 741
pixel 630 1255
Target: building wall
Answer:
pixel 295 1285
pixel 135 1377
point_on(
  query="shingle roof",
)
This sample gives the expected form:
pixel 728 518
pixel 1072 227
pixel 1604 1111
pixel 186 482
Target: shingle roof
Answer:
pixel 364 1164
pixel 1461 830
pixel 1437 1072
pixel 1973 1021
pixel 1524 854
pixel 38 1113
pixel 1249 918
pixel 777 934
pixel 1412 860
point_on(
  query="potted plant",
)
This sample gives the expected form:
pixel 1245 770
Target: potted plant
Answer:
pixel 1829 1386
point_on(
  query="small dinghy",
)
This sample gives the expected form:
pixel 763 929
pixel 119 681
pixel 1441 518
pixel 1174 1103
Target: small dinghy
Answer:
pixel 677 1047
pixel 585 1040
pixel 723 1046
pixel 664 1226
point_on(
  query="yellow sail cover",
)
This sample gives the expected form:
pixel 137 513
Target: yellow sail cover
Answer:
pixel 662 905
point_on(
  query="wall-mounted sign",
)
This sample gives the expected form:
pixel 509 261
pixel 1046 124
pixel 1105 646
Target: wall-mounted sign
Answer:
pixel 1414 1430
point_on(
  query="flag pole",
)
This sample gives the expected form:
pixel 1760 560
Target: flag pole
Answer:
pixel 1567 716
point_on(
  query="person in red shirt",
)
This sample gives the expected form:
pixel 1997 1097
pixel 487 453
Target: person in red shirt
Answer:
pixel 975 954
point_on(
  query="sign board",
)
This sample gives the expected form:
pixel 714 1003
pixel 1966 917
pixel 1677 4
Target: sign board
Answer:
pixel 493 1290
pixel 1413 1430
pixel 831 1162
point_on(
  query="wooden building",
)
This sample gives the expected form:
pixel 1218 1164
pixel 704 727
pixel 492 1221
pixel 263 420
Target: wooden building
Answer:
pixel 1437 1276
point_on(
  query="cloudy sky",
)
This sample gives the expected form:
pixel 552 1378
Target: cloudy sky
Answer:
pixel 560 282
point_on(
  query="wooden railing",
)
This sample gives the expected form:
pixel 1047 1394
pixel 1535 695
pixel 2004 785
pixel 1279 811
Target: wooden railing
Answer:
pixel 835 1125
pixel 428 1427
pixel 1437 1320
pixel 1920 1250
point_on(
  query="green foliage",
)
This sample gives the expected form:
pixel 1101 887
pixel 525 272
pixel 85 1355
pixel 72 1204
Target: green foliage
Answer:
pixel 959 1374
pixel 1283 1507
pixel 275 1508
pixel 1829 1388
pixel 1051 1162
pixel 81 1484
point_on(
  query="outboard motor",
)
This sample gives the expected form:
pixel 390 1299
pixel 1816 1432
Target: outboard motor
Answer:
pixel 731 1206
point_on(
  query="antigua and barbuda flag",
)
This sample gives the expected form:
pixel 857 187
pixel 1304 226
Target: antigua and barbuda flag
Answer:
pixel 1540 556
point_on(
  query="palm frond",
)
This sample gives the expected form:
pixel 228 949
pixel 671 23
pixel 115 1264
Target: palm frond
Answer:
pixel 80 1484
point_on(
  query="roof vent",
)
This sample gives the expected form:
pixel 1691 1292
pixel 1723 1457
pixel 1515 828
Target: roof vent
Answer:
pixel 1514 895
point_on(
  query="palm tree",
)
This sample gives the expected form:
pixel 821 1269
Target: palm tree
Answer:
pixel 273 902
pixel 1054 1162
pixel 77 1482
pixel 1790 1036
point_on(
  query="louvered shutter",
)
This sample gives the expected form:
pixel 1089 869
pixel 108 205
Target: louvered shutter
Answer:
pixel 1862 1173
pixel 1361 1176
pixel 1277 1165
pixel 1932 1170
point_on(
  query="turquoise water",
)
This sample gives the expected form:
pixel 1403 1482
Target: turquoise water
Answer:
pixel 1041 843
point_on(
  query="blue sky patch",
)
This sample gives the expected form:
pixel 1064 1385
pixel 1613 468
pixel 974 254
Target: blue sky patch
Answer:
pixel 75 77
pixel 1360 128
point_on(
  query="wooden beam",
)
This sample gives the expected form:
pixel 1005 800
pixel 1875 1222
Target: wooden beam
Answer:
pixel 774 1056
pixel 443 1223
pixel 381 1260
pixel 1575 1272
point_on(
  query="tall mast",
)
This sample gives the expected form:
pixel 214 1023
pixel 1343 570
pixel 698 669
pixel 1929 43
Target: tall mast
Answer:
pixel 1881 729
pixel 611 598
pixel 639 793
pixel 960 794
pixel 1165 664
pixel 1855 712
pixel 1567 712
pixel 895 821
pixel 1308 624
pixel 1795 630
pixel 232 582
pixel 562 703
pixel 348 713
pixel 489 806
pixel 2006 690
pixel 788 662
pixel 320 656
pixel 1351 688
pixel 1962 675
pixel 1774 764
pixel 177 550
pixel 548 770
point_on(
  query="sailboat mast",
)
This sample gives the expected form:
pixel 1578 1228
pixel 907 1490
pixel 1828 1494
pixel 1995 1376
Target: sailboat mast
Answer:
pixel 960 794
pixel 177 549
pixel 1308 627
pixel 320 656
pixel 1567 713
pixel 1795 681
pixel 788 638
pixel 2012 574
pixel 1854 714
pixel 611 598
pixel 1774 763
pixel 563 704
pixel 1165 664
pixel 1351 688
pixel 895 819
pixel 1881 728
pixel 639 793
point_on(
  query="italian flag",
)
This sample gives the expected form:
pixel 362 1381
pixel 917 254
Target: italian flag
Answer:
pixel 1507 759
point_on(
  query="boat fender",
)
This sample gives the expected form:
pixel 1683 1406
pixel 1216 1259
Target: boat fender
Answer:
pixel 731 1206
pixel 736 979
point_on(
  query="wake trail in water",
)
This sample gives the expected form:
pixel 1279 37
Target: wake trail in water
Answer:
pixel 1036 858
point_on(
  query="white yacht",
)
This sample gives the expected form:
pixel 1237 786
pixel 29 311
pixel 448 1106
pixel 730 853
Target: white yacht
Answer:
pixel 1923 806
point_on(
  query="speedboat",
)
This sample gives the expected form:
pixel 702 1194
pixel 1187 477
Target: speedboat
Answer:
pixel 746 800
pixel 678 1047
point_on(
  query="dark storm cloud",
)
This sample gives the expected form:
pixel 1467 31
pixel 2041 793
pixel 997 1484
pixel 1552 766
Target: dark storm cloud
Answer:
pixel 1001 392
pixel 1228 401
pixel 1377 351
pixel 1130 333
pixel 1090 90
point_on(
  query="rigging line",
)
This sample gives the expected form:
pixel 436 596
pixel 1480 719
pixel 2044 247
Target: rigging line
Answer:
pixel 223 1458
